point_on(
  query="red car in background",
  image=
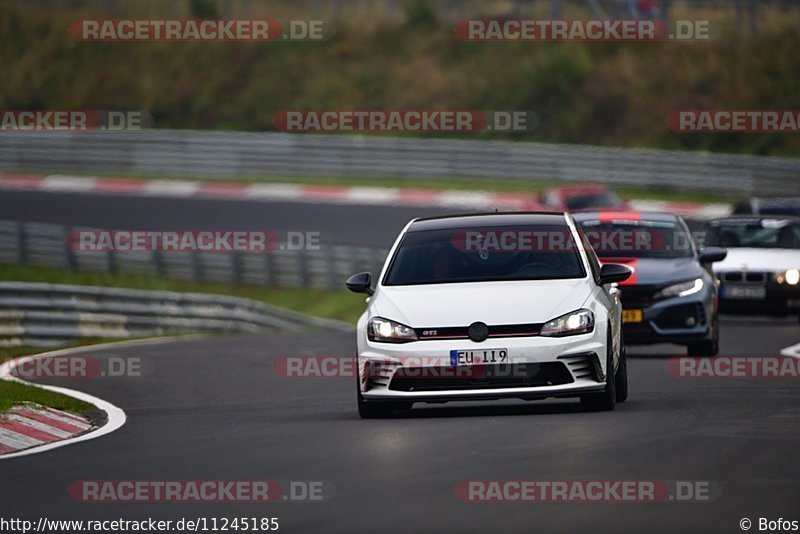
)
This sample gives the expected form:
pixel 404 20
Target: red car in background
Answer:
pixel 581 197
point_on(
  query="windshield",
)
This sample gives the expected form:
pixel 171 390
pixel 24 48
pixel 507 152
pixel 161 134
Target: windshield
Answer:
pixel 638 239
pixel 754 233
pixel 484 255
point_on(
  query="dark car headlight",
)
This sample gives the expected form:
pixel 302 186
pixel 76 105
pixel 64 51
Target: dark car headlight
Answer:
pixel 682 289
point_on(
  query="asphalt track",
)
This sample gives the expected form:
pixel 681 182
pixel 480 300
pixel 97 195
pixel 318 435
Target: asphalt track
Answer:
pixel 375 226
pixel 214 409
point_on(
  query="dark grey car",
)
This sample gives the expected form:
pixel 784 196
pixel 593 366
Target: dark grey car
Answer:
pixel 672 296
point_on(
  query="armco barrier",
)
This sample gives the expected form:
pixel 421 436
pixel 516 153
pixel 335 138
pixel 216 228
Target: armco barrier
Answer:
pixel 44 244
pixel 239 154
pixel 37 314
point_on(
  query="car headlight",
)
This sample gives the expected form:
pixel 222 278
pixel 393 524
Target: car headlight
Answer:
pixel 573 323
pixel 680 290
pixel 790 277
pixel 386 331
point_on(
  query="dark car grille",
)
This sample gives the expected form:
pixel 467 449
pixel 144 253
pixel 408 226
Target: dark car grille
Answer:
pixel 749 277
pixel 446 378
pixel 584 365
pixel 495 331
pixel 637 296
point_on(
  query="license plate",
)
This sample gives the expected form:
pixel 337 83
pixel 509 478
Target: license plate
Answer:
pixel 745 292
pixel 632 316
pixel 472 357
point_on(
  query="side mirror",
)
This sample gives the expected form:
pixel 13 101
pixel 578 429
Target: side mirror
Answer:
pixel 713 254
pixel 614 272
pixel 360 283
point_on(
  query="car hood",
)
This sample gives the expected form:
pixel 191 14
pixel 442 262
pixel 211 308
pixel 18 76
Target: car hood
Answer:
pixel 658 271
pixel 759 259
pixel 494 303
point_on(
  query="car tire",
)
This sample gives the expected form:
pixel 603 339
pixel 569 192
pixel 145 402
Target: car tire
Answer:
pixel 606 399
pixel 621 378
pixel 378 410
pixel 706 348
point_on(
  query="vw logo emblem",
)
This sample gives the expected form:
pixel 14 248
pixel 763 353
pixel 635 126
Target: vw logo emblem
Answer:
pixel 478 331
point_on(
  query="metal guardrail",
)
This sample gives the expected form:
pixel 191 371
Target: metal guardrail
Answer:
pixel 240 154
pixel 45 244
pixel 36 314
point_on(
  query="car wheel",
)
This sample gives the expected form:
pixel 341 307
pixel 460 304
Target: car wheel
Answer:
pixel 621 378
pixel 708 347
pixel 606 399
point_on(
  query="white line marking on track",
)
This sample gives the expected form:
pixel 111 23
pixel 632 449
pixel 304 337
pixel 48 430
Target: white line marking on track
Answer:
pixel 793 351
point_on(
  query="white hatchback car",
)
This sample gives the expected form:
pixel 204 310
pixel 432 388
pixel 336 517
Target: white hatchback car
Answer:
pixel 490 306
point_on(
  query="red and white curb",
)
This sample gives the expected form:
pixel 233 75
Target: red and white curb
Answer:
pixel 31 425
pixel 45 434
pixel 326 194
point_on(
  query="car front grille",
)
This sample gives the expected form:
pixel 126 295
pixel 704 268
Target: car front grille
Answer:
pixel 445 378
pixel 637 296
pixel 751 277
pixel 495 331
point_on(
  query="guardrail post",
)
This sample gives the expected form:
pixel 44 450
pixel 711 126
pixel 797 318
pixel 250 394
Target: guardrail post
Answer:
pixel 158 263
pixel 112 262
pixel 236 268
pixel 194 266
pixel 269 267
pixel 330 268
pixel 302 260
pixel 72 261
pixel 21 252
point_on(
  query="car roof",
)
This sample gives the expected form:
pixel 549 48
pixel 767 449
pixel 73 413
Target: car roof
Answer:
pixel 777 201
pixel 755 217
pixel 624 215
pixel 477 220
pixel 579 188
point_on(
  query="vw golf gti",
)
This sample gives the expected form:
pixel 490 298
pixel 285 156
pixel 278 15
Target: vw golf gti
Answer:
pixel 490 306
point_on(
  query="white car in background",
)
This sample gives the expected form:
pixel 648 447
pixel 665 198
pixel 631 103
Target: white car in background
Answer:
pixel 453 318
pixel 761 273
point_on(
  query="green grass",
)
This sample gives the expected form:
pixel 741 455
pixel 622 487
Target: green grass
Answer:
pixel 341 305
pixel 13 393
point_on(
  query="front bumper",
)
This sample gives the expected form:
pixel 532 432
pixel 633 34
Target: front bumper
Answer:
pixel 679 320
pixel 778 299
pixel 536 368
